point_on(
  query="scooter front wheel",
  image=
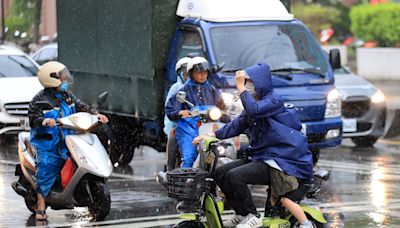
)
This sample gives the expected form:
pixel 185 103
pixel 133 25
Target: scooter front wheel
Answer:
pixel 100 207
pixel 189 224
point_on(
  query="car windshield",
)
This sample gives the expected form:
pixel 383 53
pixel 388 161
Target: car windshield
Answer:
pixel 16 66
pixel 285 48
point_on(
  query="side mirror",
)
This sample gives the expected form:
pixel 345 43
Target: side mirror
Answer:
pixel 102 98
pixel 181 96
pixel 44 105
pixel 334 58
pixel 217 68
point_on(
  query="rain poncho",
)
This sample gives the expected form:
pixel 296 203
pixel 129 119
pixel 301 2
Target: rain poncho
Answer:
pixel 168 124
pixel 49 141
pixel 274 130
pixel 203 96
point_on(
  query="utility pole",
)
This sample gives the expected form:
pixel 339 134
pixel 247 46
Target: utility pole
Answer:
pixel 3 36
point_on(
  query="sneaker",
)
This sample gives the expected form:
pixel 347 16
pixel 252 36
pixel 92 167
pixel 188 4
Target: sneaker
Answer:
pixel 234 221
pixel 250 221
pixel 306 224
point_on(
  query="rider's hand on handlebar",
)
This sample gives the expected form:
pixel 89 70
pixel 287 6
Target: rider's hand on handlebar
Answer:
pixel 185 113
pixel 49 122
pixel 102 118
pixel 197 139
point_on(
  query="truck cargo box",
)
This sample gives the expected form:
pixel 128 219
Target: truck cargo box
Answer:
pixel 123 53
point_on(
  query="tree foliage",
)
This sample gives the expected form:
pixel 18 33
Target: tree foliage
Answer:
pixel 316 17
pixel 21 17
pixel 380 23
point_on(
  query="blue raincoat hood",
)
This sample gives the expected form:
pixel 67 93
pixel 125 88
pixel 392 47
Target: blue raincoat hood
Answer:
pixel 260 74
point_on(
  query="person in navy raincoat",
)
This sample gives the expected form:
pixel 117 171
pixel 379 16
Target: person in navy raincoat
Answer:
pixel 50 104
pixel 276 144
pixel 200 93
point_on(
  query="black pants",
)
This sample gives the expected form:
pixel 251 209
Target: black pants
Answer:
pixel 172 151
pixel 233 179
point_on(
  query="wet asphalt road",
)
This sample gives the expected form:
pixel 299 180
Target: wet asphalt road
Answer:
pixel 363 191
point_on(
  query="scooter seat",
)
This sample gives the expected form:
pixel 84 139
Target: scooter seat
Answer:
pixel 24 139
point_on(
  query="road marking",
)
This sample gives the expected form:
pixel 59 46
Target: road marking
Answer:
pixel 389 169
pixel 164 220
pixel 130 177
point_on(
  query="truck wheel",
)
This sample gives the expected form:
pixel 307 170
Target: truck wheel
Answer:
pixel 364 141
pixel 107 139
pixel 126 156
pixel 100 208
pixel 315 155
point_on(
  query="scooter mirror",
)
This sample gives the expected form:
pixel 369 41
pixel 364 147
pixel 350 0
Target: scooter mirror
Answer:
pixel 102 98
pixel 181 96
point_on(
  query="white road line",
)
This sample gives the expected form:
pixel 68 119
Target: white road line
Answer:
pixel 359 206
pixel 131 177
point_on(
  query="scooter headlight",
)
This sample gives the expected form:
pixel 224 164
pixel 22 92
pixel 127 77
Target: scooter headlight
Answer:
pixel 215 113
pixel 83 121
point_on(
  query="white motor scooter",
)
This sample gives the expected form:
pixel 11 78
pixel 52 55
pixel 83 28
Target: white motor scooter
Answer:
pixel 91 166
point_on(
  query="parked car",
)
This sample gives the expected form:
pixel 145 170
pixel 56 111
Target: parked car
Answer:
pixel 363 108
pixel 46 53
pixel 18 85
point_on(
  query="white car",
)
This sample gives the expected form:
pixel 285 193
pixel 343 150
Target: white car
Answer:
pixel 18 85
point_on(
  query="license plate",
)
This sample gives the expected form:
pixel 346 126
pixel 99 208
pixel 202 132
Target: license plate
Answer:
pixel 349 125
pixel 304 129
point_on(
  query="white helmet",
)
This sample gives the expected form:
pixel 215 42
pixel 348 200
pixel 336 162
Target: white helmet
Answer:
pixel 198 64
pixel 182 63
pixel 52 74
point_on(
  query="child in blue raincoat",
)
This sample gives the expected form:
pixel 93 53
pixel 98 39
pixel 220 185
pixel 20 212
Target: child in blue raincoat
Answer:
pixel 278 151
pixel 200 93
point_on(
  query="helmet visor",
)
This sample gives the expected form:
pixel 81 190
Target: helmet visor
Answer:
pixel 201 67
pixel 63 75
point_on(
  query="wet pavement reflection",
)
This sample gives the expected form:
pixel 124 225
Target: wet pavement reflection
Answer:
pixel 363 191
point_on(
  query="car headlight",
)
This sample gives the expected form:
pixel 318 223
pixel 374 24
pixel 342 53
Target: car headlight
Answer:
pixel 378 97
pixel 227 98
pixel 215 114
pixel 333 104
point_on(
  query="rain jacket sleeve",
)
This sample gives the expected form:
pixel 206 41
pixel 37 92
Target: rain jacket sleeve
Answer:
pixel 35 113
pixel 261 108
pixel 234 128
pixel 172 109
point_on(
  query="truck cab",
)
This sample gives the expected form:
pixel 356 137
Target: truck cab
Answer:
pixel 233 35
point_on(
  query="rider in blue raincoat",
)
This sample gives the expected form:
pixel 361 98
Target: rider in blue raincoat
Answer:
pixel 50 104
pixel 200 93
pixel 278 153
